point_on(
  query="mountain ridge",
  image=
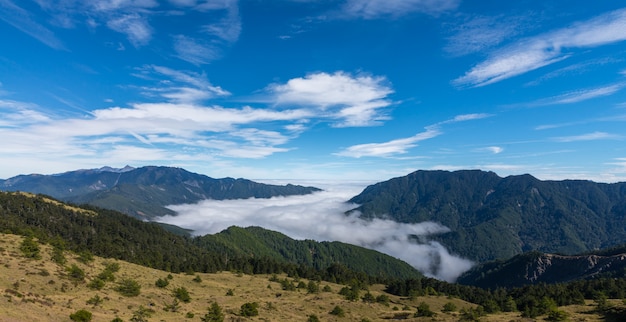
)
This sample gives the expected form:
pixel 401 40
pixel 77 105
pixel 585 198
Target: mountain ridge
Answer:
pixel 496 218
pixel 537 267
pixel 146 191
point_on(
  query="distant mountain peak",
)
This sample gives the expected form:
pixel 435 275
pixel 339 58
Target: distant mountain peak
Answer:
pixel 117 170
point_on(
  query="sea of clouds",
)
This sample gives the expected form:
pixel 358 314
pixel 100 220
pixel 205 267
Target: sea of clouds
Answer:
pixel 321 216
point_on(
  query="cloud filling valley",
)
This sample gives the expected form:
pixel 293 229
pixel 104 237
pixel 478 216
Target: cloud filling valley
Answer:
pixel 321 216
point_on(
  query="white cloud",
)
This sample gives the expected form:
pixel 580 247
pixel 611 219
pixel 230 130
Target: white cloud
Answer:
pixel 588 137
pixel 135 27
pixel 372 9
pixel 494 149
pixel 586 94
pixel 181 87
pixel 401 146
pixel 321 216
pixel 578 95
pixel 390 148
pixel 532 53
pixel 195 51
pixel 354 100
pixel 479 33
pixel 23 20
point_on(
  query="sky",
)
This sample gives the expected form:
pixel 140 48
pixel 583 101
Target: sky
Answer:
pixel 326 89
pixel 321 216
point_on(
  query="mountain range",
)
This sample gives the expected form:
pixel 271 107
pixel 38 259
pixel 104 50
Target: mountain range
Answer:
pixel 144 192
pixel 497 218
pixel 519 229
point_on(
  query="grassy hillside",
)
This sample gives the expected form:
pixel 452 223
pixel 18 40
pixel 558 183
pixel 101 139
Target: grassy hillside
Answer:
pixel 43 290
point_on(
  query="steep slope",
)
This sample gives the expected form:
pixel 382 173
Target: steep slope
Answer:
pixel 536 267
pixel 260 242
pixel 496 218
pixel 144 192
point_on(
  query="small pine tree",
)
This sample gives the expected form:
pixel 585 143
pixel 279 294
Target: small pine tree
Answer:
pixel 182 294
pixel 215 314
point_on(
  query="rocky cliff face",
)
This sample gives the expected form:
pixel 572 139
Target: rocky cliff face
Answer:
pixel 535 267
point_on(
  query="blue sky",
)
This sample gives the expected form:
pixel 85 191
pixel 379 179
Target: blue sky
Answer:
pixel 328 89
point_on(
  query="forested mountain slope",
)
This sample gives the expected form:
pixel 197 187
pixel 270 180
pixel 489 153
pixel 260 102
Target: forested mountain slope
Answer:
pixel 261 242
pixel 108 233
pixel 496 218
pixel 144 192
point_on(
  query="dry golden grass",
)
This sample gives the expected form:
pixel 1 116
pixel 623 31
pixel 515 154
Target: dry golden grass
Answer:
pixel 39 290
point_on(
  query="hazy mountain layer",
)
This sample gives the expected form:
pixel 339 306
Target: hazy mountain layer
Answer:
pixel 496 218
pixel 144 192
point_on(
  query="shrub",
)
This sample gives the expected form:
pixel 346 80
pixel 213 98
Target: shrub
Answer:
pixel 81 315
pixel 95 300
pixel 338 311
pixel 215 314
pixel 75 273
pixel 96 284
pixel 424 310
pixel 449 307
pixel 383 299
pixel 182 294
pixel 313 318
pixel 30 248
pixel 161 283
pixel 197 279
pixel 250 309
pixel 128 287
pixel 85 257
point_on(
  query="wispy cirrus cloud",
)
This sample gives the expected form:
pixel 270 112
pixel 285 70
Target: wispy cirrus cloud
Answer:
pixel 588 137
pixel 389 148
pixel 352 100
pixel 135 27
pixel 179 86
pixel 580 95
pixel 535 52
pixel 401 146
pixel 204 45
pixel 24 21
pixel 132 18
pixel 372 9
pixel 479 33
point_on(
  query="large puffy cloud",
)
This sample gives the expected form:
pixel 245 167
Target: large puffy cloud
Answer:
pixel 321 216
pixel 352 100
